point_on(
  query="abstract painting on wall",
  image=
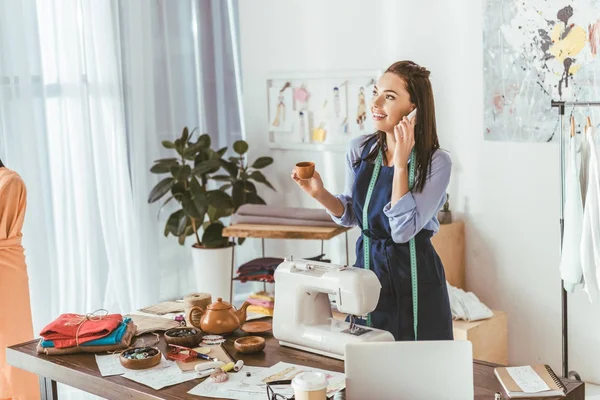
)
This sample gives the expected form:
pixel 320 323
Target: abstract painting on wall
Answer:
pixel 536 51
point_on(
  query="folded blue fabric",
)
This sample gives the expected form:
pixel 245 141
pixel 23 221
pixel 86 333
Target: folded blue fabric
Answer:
pixel 114 337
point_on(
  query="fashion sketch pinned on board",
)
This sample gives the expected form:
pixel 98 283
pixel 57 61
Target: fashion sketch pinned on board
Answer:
pixel 358 96
pixel 280 105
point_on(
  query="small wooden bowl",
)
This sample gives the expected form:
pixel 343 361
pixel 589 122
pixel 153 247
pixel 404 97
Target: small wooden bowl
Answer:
pixel 185 341
pixel 257 327
pixel 305 169
pixel 141 363
pixel 250 344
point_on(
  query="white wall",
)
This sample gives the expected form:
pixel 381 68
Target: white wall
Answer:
pixel 508 193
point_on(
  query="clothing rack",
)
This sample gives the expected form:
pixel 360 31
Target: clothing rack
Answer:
pixel 565 332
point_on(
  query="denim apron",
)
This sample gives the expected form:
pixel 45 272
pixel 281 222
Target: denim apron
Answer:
pixel 390 261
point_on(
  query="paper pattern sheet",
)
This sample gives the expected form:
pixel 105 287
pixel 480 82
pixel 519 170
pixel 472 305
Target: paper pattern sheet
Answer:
pixel 241 387
pixel 165 374
pixel 238 387
pixel 110 365
pixel 527 379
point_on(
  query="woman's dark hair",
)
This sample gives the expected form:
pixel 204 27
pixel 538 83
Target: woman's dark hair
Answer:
pixel 426 139
pixel 1 164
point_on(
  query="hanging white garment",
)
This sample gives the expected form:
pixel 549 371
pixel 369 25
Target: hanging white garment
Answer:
pixel 590 236
pixel 570 262
pixel 585 160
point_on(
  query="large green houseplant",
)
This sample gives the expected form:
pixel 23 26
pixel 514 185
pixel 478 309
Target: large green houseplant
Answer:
pixel 188 181
pixel 190 174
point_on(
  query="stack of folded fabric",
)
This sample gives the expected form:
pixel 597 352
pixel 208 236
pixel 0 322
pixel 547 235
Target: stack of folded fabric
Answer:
pixel 260 214
pixel 259 269
pixel 261 303
pixel 75 333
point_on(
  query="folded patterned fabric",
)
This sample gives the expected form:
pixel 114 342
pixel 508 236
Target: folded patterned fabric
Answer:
pixel 113 338
pixel 262 296
pixel 70 329
pixel 259 278
pixel 262 303
pixel 263 263
pixel 126 340
pixel 260 310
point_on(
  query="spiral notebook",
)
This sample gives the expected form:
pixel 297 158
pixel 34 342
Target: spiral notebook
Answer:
pixel 530 381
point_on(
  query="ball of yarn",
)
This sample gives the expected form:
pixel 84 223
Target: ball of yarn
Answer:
pixel 201 300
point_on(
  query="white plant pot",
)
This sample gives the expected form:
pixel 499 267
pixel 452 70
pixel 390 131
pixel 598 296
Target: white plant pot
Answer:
pixel 212 271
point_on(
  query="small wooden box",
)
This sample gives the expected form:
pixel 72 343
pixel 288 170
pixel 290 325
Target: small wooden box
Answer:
pixel 488 336
pixel 449 242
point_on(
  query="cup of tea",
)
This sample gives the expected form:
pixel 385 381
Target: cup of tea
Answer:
pixel 305 169
pixel 310 386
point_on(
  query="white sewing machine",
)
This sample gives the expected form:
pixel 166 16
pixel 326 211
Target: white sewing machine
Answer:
pixel 302 317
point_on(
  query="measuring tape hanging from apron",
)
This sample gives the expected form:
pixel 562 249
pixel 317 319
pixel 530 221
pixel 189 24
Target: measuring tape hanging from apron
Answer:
pixel 412 246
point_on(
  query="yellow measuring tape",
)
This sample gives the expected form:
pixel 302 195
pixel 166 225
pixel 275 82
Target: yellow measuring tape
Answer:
pixel 412 245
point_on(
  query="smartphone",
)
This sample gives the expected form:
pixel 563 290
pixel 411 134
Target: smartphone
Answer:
pixel 412 114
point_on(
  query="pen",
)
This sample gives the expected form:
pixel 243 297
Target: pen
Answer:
pixel 206 357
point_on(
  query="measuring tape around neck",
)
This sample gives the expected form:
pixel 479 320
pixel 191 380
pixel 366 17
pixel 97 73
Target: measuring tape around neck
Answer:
pixel 412 245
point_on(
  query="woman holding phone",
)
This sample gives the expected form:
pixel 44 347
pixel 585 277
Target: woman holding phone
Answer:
pixel 377 198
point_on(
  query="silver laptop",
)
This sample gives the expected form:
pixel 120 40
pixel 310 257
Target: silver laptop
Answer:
pixel 427 370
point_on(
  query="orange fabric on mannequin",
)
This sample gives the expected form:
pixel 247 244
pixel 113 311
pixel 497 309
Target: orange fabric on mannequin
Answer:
pixel 15 313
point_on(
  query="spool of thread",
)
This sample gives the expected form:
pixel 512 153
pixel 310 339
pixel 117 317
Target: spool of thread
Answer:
pixel 227 367
pixel 238 365
pixel 195 300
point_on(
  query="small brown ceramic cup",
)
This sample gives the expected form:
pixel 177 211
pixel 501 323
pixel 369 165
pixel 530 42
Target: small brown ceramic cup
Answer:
pixel 305 169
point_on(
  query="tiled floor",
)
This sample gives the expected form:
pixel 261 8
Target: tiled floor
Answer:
pixel 592 392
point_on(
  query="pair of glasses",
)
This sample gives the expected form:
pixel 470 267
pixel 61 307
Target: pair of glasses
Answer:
pixel 271 395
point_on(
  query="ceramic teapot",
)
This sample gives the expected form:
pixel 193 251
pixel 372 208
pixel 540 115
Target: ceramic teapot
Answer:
pixel 219 317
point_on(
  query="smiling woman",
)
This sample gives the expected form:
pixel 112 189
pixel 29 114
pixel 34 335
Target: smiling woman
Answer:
pixel 398 215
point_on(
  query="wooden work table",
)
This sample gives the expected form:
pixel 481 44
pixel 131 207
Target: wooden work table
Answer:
pixel 80 371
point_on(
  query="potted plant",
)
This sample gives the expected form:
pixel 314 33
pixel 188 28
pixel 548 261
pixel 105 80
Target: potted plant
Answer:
pixel 241 177
pixel 187 182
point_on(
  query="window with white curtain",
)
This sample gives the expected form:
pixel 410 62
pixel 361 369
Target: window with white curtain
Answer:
pixel 88 90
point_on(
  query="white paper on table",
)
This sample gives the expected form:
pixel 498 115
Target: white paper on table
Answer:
pixel 238 387
pixel 167 373
pixel 110 365
pixel 527 379
pixel 336 381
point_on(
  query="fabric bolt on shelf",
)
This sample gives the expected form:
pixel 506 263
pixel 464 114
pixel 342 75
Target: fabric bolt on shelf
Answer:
pixel 69 329
pixel 270 215
pixel 126 340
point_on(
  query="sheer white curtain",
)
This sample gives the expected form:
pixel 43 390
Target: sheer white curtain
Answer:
pixel 88 90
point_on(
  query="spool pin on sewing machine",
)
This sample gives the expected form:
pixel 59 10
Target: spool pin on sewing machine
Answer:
pixel 302 317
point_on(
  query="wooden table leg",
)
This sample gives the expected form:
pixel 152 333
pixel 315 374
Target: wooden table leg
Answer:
pixel 48 389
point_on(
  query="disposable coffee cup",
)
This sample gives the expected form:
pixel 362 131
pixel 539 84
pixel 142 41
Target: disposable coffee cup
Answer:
pixel 310 386
pixel 305 169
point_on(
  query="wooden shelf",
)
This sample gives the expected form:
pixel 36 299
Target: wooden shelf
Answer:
pixel 283 231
